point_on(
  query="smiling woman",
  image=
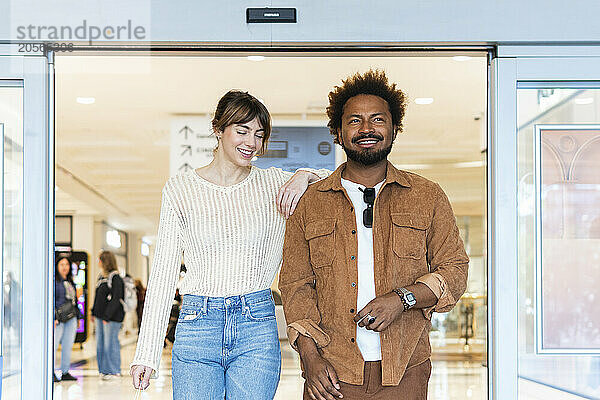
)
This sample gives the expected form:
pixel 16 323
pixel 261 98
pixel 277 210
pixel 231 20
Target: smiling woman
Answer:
pixel 240 108
pixel 223 218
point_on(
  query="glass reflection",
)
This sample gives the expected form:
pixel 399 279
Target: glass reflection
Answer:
pixel 558 310
pixel 11 128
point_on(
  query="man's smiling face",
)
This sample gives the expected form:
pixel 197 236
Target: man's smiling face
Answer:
pixel 367 133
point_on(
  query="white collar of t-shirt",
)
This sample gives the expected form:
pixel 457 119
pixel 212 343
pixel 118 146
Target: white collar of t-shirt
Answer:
pixel 355 192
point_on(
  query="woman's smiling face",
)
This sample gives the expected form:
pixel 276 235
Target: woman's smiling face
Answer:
pixel 241 142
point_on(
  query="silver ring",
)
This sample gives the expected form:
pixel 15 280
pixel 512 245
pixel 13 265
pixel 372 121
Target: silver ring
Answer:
pixel 370 319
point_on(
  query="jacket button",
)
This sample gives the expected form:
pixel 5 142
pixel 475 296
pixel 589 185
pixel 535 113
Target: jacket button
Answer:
pixel 352 340
pixel 353 284
pixel 353 232
pixel 352 258
pixel 352 311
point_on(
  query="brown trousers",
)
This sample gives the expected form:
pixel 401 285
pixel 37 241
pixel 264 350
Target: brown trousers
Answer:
pixel 413 385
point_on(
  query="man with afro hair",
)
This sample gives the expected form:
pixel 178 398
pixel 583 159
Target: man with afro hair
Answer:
pixel 369 254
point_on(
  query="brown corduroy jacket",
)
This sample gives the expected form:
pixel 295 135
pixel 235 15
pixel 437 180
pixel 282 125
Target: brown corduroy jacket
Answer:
pixel 415 239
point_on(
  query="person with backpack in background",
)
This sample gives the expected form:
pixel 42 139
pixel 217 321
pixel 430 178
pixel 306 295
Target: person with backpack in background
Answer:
pixel 108 312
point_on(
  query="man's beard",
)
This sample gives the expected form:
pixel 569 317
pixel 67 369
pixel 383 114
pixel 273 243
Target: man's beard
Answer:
pixel 367 156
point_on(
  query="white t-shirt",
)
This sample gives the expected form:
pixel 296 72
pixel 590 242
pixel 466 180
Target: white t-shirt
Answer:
pixel 367 341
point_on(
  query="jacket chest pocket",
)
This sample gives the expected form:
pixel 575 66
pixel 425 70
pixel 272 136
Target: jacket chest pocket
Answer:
pixel 409 235
pixel 321 242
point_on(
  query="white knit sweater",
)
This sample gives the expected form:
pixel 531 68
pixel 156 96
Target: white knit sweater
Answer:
pixel 231 238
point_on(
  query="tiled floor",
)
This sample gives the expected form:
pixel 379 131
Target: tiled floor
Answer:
pixel 449 380
pixel 454 379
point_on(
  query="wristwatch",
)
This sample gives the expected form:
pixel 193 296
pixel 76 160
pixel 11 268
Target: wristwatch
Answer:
pixel 407 297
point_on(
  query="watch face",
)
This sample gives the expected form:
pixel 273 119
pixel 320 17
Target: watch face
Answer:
pixel 411 298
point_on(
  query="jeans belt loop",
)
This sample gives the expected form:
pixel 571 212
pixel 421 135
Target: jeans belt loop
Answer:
pixel 205 305
pixel 243 302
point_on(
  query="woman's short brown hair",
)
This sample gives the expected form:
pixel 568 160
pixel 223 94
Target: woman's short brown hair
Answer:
pixel 237 107
pixel 108 261
pixel 371 82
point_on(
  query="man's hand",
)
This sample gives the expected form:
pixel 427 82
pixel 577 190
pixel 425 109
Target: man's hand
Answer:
pixel 321 379
pixel 290 193
pixel 385 309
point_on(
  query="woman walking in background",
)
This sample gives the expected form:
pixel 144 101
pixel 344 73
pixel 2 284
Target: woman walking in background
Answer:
pixel 108 314
pixel 65 315
pixel 227 219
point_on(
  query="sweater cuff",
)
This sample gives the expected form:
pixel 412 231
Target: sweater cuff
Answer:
pixel 308 328
pixel 437 284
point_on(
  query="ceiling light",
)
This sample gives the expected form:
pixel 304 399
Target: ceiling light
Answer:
pixel 413 166
pixel 113 239
pixel 461 58
pixel 256 58
pixel 86 100
pixel 424 100
pixel 145 249
pixel 469 164
pixel 584 101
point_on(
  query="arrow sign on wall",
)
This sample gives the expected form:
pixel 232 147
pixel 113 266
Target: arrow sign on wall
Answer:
pixel 186 130
pixel 191 144
pixel 187 148
pixel 185 167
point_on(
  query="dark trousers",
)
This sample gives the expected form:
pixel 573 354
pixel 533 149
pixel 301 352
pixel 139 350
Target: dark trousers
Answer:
pixel 413 385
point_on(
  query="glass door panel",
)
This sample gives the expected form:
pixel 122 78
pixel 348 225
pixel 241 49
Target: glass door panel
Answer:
pixel 11 130
pixel 558 158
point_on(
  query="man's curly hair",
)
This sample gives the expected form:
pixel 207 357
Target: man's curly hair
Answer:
pixel 371 82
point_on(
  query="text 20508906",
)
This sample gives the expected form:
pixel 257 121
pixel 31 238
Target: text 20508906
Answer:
pixel 37 47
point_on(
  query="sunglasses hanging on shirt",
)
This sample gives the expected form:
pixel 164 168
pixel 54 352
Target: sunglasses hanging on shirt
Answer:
pixel 369 198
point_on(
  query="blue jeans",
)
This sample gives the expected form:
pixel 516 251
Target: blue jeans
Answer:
pixel 64 334
pixel 226 348
pixel 108 348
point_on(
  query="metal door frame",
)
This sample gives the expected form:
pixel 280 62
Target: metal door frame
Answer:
pixel 35 72
pixel 516 65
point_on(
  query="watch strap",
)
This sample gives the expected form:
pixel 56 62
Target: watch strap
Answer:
pixel 402 292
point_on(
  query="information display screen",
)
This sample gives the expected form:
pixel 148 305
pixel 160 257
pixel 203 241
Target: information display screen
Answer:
pixel 293 147
pixel 79 278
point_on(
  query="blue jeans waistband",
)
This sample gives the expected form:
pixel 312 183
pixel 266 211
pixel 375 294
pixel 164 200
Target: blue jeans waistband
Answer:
pixel 206 302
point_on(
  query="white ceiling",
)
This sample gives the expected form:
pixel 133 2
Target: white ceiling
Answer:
pixel 113 155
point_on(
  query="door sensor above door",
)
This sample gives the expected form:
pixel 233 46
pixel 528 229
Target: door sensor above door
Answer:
pixel 270 15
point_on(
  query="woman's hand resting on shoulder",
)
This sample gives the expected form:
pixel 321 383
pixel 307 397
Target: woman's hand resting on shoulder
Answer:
pixel 290 193
pixel 141 376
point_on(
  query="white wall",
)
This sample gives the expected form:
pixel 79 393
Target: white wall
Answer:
pixel 333 20
pixel 137 263
pixel 83 234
